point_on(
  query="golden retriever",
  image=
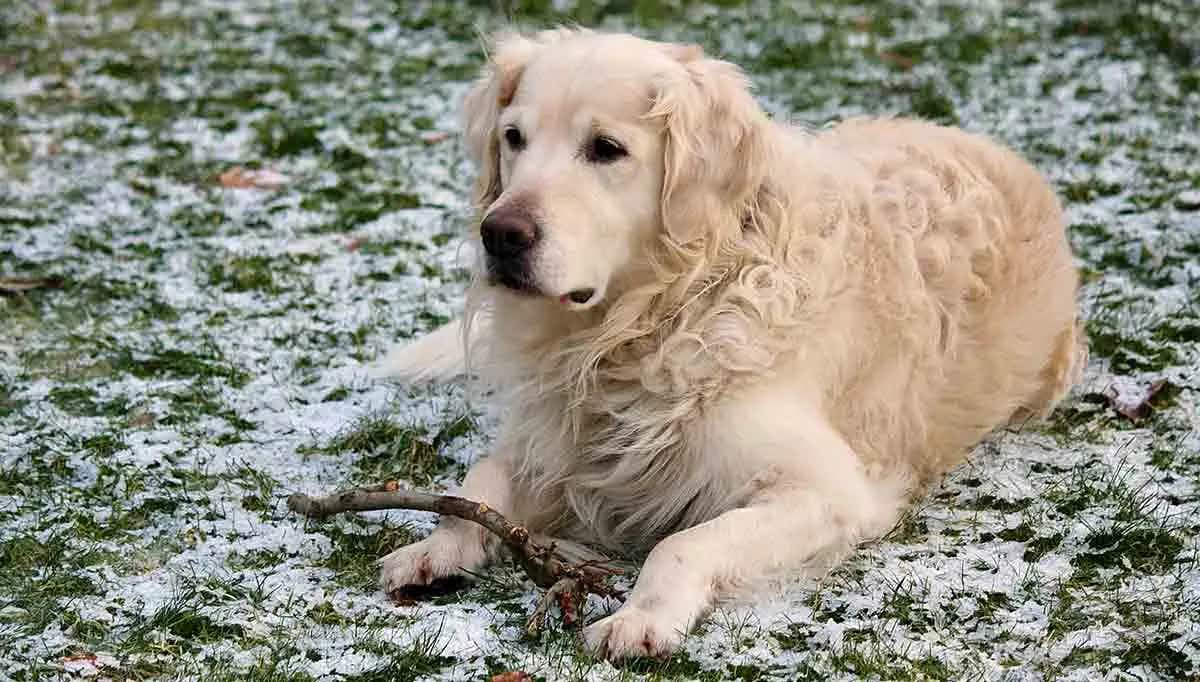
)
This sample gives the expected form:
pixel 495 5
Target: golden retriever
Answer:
pixel 739 345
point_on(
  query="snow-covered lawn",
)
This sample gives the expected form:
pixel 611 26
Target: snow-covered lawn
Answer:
pixel 205 355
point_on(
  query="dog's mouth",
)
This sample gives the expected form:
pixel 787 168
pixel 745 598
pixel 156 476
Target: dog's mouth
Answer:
pixel 517 285
pixel 518 281
pixel 512 276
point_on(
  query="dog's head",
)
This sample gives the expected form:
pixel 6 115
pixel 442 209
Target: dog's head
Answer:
pixel 594 147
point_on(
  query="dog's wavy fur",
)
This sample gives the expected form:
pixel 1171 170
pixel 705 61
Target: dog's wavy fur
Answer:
pixel 909 283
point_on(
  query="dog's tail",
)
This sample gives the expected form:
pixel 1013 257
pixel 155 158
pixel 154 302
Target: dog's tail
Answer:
pixel 437 356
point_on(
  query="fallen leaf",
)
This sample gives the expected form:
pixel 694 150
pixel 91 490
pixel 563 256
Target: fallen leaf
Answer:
pixel 11 286
pixel 898 60
pixel 512 676
pixel 1135 403
pixel 246 178
pixel 353 243
pixel 81 656
pixel 140 419
pixel 82 663
pixel 435 136
pixel 86 663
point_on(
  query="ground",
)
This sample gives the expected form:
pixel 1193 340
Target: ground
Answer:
pixel 206 352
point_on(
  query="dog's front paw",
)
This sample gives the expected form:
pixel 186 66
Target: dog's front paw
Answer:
pixel 636 631
pixel 440 555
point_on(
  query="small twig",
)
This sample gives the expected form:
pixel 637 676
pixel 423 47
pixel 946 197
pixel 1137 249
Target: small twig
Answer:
pixel 563 581
pixel 562 592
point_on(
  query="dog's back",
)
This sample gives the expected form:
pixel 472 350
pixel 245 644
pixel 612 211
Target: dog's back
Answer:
pixel 969 274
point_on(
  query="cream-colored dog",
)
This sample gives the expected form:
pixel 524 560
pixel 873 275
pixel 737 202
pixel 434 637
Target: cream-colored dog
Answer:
pixel 736 344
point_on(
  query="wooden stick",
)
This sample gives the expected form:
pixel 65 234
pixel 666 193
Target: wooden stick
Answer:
pixel 562 580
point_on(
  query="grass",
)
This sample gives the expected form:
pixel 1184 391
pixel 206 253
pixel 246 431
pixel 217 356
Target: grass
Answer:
pixel 202 360
pixel 388 450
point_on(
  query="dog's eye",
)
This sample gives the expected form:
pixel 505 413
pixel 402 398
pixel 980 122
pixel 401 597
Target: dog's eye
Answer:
pixel 605 150
pixel 514 138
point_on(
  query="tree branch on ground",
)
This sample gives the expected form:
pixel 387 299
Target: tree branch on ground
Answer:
pixel 565 582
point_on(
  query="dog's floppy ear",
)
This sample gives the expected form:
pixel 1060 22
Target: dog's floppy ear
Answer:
pixel 509 53
pixel 715 157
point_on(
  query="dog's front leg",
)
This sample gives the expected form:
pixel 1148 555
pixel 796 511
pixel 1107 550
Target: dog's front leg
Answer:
pixel 456 544
pixel 815 503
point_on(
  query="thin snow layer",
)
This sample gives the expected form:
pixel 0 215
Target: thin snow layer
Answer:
pixel 208 354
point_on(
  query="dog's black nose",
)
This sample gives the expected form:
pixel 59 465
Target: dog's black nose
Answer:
pixel 508 232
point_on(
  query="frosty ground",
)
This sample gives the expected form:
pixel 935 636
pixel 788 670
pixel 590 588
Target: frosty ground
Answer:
pixel 206 352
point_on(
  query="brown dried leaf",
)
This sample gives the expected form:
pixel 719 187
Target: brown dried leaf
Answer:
pixel 1134 406
pixel 512 676
pixel 81 656
pixel 246 178
pixel 435 136
pixel 898 60
pixel 11 286
pixel 139 419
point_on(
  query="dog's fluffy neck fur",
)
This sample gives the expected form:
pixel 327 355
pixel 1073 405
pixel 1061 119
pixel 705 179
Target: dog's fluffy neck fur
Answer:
pixel 568 398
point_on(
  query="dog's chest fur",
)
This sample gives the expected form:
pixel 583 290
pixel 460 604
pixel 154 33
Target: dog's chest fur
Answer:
pixel 623 461
pixel 621 468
